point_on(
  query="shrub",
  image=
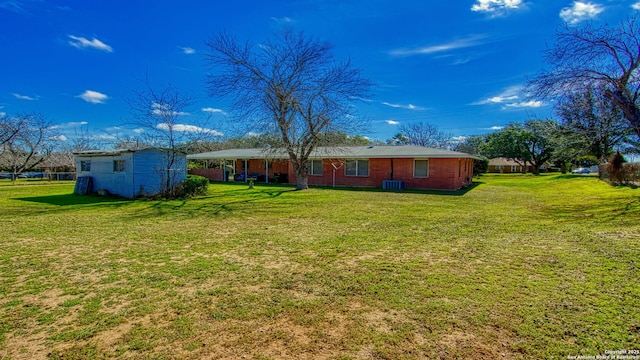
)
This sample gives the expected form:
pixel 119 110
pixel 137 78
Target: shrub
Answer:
pixel 195 185
pixel 480 166
pixel 620 172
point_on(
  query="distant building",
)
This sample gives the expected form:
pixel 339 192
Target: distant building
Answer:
pixel 129 173
pixel 508 166
pixel 389 167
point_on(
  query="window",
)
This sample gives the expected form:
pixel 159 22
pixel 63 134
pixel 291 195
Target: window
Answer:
pixel 85 165
pixel 499 167
pixel 514 168
pixel 421 168
pixel 118 166
pixel 357 168
pixel 315 167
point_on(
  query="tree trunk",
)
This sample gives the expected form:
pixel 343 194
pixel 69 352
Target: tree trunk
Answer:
pixel 302 181
pixel 629 108
pixel 536 169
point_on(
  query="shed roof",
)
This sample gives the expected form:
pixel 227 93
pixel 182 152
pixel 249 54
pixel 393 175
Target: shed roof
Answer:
pixel 345 152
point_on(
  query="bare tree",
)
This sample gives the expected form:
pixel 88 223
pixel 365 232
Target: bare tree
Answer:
pixel 590 56
pixel 290 85
pixel 159 116
pixel 10 127
pixel 31 142
pixel 425 134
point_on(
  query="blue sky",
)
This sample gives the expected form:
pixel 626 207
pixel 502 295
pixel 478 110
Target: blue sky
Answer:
pixel 460 65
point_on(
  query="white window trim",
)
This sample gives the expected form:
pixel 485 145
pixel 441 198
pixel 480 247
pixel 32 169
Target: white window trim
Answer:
pixel 83 165
pixel 414 169
pixel 311 167
pixel 358 167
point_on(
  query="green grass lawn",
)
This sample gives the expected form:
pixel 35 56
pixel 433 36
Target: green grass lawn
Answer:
pixel 517 267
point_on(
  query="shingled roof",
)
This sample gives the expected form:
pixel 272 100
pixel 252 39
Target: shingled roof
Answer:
pixel 345 152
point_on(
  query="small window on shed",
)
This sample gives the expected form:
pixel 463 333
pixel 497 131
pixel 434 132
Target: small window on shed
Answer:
pixel 85 165
pixel 421 168
pixel 118 165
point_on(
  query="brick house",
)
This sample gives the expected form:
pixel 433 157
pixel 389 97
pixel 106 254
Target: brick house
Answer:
pixel 508 166
pixel 390 167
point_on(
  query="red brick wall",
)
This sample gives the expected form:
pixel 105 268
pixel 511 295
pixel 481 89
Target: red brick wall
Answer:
pixel 211 174
pixel 444 174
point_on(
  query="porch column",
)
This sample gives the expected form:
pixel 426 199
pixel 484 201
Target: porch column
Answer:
pixel 266 165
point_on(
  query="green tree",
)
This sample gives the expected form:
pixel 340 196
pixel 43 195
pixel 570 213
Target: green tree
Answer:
pixel 592 124
pixel 528 143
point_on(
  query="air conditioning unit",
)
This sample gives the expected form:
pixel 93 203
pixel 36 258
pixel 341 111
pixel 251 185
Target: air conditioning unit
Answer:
pixel 393 185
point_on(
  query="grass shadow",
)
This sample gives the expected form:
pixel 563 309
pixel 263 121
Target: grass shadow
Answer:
pixel 459 192
pixel 573 176
pixel 224 202
pixel 74 200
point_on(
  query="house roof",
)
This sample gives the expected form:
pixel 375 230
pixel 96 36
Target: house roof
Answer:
pixel 116 152
pixel 345 152
pixel 502 162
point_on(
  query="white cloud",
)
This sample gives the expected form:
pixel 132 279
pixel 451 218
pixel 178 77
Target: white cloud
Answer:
pixel 71 124
pixel 636 6
pixel 138 130
pixel 81 42
pixel 580 11
pixel 93 97
pixel 286 20
pixel 402 106
pixel 76 123
pixel 509 94
pixel 494 128
pixel 59 138
pixel 188 128
pixel 392 122
pixel 104 137
pixel 165 110
pixel 496 6
pixel 459 139
pixel 214 110
pixel 24 97
pixel 511 98
pixel 530 104
pixel 253 134
pixel 470 41
pixel 500 99
pixel 187 50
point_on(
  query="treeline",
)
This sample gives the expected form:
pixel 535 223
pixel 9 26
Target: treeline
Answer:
pixel 590 129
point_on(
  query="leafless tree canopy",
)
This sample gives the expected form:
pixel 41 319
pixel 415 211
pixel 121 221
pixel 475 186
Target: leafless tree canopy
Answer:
pixel 157 113
pixel 290 85
pixel 27 140
pixel 160 114
pixel 590 57
pixel 425 134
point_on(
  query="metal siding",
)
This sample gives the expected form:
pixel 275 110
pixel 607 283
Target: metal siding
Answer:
pixel 103 177
pixel 149 171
